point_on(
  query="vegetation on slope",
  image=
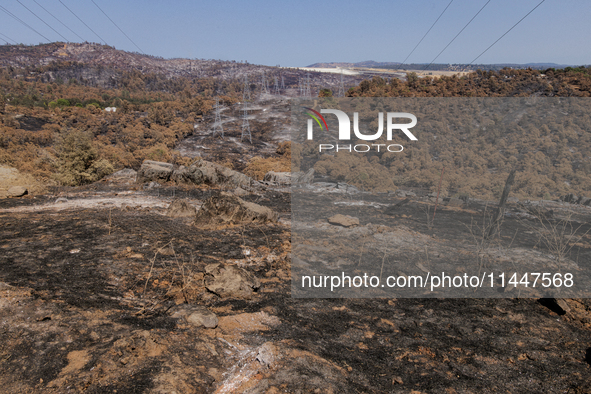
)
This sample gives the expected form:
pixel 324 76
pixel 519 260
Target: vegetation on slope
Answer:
pixel 478 151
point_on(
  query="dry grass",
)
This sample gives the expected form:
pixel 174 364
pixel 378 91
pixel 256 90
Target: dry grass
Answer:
pixel 559 236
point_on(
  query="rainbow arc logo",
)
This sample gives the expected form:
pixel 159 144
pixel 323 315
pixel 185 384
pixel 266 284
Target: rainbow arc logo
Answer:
pixel 315 115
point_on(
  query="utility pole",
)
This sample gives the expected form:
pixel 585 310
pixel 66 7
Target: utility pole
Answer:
pixel 341 87
pixel 218 119
pixel 245 100
pixel 307 93
pixel 264 83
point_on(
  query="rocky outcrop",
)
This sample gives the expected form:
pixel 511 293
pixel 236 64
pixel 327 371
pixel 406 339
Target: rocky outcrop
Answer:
pixel 574 199
pixel 226 208
pixel 278 178
pixel 154 171
pixel 201 172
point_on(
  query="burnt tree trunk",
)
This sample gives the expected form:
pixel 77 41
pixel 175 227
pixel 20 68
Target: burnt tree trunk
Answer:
pixel 500 210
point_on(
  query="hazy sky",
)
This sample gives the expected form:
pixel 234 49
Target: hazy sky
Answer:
pixel 299 33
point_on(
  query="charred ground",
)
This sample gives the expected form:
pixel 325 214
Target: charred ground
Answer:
pixel 91 292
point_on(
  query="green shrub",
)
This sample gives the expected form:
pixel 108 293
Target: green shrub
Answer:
pixel 78 161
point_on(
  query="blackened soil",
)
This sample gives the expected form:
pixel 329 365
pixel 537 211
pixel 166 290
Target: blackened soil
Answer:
pixel 89 311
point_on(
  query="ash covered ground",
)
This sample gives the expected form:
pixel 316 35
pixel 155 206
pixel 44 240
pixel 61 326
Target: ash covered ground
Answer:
pixel 98 289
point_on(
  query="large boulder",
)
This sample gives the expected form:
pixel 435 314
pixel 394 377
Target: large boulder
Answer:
pixel 201 172
pixel 226 208
pixel 154 171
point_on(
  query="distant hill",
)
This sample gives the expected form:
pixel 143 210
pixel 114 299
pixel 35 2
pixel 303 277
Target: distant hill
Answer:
pixel 439 67
pixel 92 57
pixel 97 65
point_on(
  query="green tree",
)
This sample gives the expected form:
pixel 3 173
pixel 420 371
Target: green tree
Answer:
pixel 78 161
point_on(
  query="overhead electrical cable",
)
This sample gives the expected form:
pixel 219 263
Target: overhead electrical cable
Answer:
pixel 54 17
pixel 97 6
pixel 416 46
pixel 491 45
pixel 453 39
pixel 6 38
pixel 83 22
pixel 17 18
pixel 57 32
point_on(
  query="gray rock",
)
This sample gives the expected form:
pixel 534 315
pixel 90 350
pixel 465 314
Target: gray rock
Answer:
pixel 240 192
pixel 154 171
pixel 17 191
pixel 151 185
pixel 585 201
pixel 226 208
pixel 267 354
pixel 204 318
pixel 343 220
pixel 198 316
pixel 572 198
pixel 205 172
pixel 180 175
pixel 279 178
pixel 181 209
pixel 230 281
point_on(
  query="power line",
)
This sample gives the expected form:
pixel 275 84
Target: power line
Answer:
pixel 526 15
pixel 54 17
pixel 118 27
pixel 58 33
pixel 416 46
pixel 432 61
pixel 83 22
pixel 6 37
pixel 15 17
